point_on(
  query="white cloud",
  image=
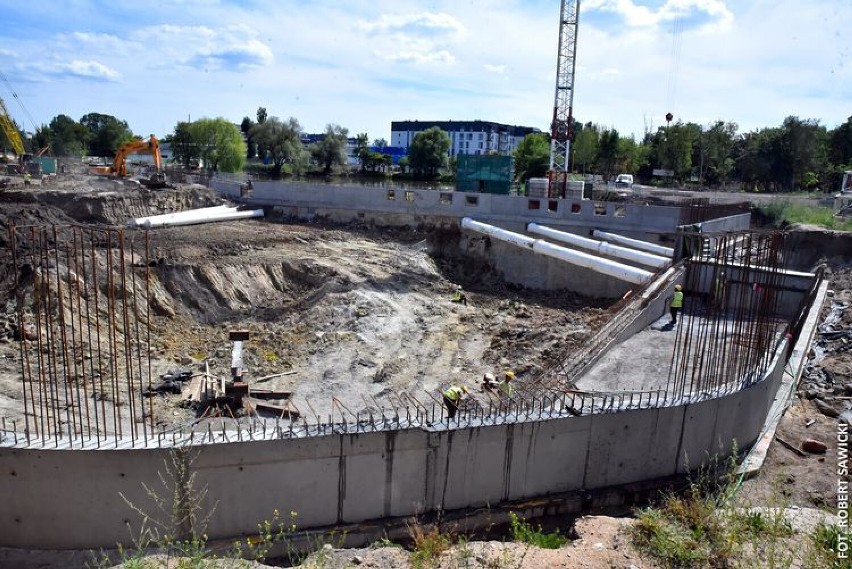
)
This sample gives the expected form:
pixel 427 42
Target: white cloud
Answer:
pixel 90 70
pixel 365 64
pixel 640 16
pixel 423 23
pixel 422 37
pixel 235 48
pixel 442 57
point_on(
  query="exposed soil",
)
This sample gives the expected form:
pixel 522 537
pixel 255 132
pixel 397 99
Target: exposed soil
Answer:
pixel 355 318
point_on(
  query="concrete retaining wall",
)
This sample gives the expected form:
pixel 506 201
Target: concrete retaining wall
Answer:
pixel 746 287
pixel 59 499
pixel 523 267
pixel 382 206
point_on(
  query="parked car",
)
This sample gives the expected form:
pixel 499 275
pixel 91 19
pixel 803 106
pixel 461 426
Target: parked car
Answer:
pixel 624 181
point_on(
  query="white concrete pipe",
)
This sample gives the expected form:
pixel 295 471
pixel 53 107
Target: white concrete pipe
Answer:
pixel 604 266
pixel 602 247
pixel 194 216
pixel 635 243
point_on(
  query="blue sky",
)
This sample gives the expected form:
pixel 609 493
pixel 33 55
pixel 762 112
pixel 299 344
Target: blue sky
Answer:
pixel 363 64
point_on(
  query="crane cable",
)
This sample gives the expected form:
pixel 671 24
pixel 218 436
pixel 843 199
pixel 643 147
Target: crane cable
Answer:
pixel 674 62
pixel 19 101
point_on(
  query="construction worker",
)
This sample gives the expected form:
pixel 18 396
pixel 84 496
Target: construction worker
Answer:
pixel 677 303
pixel 453 396
pixel 506 385
pixel 459 296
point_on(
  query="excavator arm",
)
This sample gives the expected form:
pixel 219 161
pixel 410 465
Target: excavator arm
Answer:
pixel 152 145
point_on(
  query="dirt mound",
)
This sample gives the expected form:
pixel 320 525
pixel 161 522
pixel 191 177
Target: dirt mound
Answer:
pixel 812 246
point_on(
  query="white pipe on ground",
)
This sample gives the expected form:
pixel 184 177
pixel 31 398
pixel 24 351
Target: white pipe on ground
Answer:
pixel 635 243
pixel 194 216
pixel 604 266
pixel 602 247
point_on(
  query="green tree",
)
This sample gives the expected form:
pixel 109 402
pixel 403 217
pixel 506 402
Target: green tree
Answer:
pixel 630 157
pixel 107 133
pixel 715 163
pixel 532 157
pixel 380 144
pixel 330 152
pixel 220 144
pixel 184 148
pixel 608 153
pixel 280 141
pixel 362 149
pixel 261 115
pixel 251 147
pixel 756 158
pixel 840 145
pixel 672 148
pixel 804 149
pixel 427 153
pixel 41 138
pixel 403 164
pixel 67 136
pixel 584 150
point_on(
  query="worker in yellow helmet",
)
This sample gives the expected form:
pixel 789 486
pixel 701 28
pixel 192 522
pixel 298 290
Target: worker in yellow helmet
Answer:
pixel 453 396
pixel 507 386
pixel 460 297
pixel 677 303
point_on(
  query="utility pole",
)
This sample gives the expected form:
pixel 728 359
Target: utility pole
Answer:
pixel 562 127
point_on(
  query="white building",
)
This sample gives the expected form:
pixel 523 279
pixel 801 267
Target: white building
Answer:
pixel 466 137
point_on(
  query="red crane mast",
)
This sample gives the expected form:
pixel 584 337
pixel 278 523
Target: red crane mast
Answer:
pixel 562 127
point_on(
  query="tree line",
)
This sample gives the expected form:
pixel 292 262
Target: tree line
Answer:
pixel 800 154
pixel 216 143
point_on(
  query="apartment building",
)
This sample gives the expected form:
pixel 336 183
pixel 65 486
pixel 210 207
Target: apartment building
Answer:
pixel 466 137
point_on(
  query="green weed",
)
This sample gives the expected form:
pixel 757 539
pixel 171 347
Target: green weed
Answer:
pixel 825 547
pixel 429 543
pixel 524 532
pixel 781 213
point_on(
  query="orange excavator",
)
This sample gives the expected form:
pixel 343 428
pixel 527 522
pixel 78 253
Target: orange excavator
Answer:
pixel 119 163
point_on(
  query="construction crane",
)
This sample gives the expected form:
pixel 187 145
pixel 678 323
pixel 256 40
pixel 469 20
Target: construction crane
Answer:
pixel 562 127
pixel 10 130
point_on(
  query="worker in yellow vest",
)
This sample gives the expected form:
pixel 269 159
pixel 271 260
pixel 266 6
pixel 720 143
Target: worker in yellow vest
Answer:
pixel 460 296
pixel 453 396
pixel 506 385
pixel 677 303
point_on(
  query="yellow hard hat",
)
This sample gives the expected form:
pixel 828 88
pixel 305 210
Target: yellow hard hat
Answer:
pixel 509 375
pixel 678 287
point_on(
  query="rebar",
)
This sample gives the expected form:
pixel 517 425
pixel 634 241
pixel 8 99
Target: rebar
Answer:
pixel 84 327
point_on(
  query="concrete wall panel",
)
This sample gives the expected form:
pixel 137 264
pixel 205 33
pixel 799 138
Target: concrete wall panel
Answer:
pixel 624 447
pixel 65 499
pixel 699 433
pixel 553 459
pixel 475 465
pixel 249 480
